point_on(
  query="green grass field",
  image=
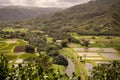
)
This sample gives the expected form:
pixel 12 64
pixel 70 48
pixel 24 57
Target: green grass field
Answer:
pixel 95 42
pixel 7 46
pixel 9 29
pixel 100 41
pixel 70 53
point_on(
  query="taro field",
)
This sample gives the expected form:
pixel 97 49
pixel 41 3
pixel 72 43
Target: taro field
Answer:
pixel 102 49
pixel 14 50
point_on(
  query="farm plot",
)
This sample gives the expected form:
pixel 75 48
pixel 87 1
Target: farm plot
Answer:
pixel 79 49
pixel 11 41
pixel 2 44
pixel 18 49
pixel 9 29
pixel 111 56
pixel 7 46
pixel 90 56
pixel 108 50
pixel 88 50
pixel 102 62
pixel 74 45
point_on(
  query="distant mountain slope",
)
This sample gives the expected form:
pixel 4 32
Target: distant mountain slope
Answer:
pixel 95 17
pixel 23 12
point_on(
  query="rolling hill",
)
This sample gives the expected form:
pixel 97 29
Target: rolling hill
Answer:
pixel 97 17
pixel 23 12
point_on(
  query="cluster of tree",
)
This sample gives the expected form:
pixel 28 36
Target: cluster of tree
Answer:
pixel 109 71
pixel 29 49
pixel 38 40
pixel 72 39
pixel 9 34
pixel 93 18
pixel 64 43
pixel 61 60
pixel 53 51
pixel 39 70
pixel 85 42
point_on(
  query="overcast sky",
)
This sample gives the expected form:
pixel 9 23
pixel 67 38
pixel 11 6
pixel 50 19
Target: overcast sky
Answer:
pixel 43 3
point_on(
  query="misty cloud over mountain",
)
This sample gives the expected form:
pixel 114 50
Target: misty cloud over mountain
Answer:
pixel 43 3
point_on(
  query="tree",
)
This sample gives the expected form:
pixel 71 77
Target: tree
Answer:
pixel 53 53
pixel 61 60
pixel 85 43
pixel 29 49
pixel 41 69
pixel 64 43
pixel 109 71
pixel 3 67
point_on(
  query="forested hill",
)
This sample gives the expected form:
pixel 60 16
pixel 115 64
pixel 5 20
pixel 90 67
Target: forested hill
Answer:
pixel 95 17
pixel 23 12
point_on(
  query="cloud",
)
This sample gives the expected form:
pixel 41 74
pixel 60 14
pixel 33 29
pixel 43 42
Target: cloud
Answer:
pixel 18 2
pixel 74 1
pixel 44 3
pixel 70 1
pixel 5 2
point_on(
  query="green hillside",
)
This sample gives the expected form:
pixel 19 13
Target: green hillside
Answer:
pixel 97 17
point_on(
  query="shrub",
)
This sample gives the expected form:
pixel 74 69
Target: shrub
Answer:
pixel 61 60
pixel 53 53
pixel 72 39
pixel 109 71
pixel 29 49
pixel 64 43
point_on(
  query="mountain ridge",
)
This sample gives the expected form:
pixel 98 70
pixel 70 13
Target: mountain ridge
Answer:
pixel 95 17
pixel 24 12
pixel 98 17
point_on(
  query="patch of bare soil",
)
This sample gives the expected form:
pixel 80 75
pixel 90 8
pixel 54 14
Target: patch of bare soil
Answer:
pixel 19 49
pixel 11 40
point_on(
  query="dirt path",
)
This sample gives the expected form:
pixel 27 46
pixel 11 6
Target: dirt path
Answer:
pixel 74 53
pixel 81 72
pixel 70 68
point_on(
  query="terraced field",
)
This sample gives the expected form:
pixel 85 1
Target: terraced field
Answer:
pixel 8 48
pixel 102 49
pixel 95 56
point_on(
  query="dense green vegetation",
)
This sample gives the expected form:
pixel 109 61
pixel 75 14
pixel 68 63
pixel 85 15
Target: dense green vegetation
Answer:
pixel 40 70
pixel 99 41
pixel 106 71
pixel 29 49
pixel 52 38
pixel 93 18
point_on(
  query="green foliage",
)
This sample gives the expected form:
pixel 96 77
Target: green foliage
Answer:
pixel 92 18
pixel 53 53
pixel 3 67
pixel 61 60
pixel 53 46
pixel 64 43
pixel 106 71
pixel 85 43
pixel 73 40
pixel 31 71
pixel 29 49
